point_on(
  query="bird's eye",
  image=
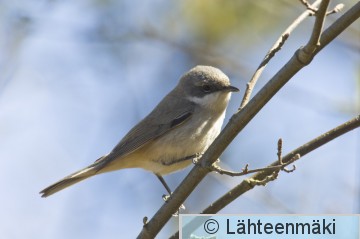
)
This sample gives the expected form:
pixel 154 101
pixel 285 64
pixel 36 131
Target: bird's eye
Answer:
pixel 206 88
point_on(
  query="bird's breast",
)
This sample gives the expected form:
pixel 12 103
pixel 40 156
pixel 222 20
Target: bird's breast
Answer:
pixel 192 137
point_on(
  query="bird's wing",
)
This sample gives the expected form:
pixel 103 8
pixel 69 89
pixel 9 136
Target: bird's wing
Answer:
pixel 173 112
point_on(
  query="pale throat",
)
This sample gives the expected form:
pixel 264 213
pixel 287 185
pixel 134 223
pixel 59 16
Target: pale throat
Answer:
pixel 215 101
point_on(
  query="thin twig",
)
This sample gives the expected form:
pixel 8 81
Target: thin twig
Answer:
pixel 279 151
pixel 336 9
pixel 271 53
pixel 280 166
pixel 318 26
pixel 345 20
pixel 309 6
pixel 305 54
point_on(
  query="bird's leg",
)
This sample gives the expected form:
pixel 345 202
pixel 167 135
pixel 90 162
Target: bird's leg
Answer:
pixel 193 157
pixel 164 183
pixel 166 197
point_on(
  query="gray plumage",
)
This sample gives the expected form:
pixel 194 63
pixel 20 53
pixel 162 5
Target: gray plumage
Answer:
pixel 183 124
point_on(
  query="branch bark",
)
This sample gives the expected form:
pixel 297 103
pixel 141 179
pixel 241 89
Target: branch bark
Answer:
pixel 245 185
pixel 238 121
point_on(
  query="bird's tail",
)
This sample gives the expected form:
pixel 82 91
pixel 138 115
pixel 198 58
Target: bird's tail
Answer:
pixel 69 180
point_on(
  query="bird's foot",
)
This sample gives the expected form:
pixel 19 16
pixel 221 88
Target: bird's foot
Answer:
pixel 182 207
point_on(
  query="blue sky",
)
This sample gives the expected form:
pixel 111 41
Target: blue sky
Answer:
pixel 66 98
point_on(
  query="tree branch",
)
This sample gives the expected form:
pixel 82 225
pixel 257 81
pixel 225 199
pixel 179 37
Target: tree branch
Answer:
pixel 237 122
pixel 271 53
pixel 246 184
pixel 302 150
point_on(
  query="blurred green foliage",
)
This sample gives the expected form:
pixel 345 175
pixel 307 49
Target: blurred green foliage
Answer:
pixel 215 20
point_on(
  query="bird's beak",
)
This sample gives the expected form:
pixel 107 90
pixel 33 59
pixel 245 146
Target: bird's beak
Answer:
pixel 231 88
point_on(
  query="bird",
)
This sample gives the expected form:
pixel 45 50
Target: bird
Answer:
pixel 179 129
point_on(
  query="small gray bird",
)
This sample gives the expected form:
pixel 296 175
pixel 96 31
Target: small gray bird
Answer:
pixel 181 127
